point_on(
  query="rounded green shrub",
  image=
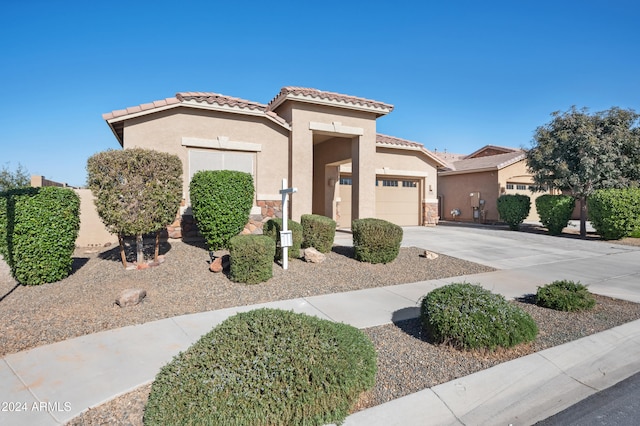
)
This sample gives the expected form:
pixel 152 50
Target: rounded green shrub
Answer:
pixel 265 367
pixel 376 240
pixel 221 201
pixel 565 295
pixel 318 232
pixel 614 213
pixel 251 258
pixel 467 316
pixel 272 229
pixel 514 209
pixel 38 231
pixel 555 211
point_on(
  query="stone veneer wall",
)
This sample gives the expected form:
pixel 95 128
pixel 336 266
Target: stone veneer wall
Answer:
pixel 185 227
pixel 430 214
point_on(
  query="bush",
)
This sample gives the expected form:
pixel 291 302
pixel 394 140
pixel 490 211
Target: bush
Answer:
pixel 376 240
pixel 555 211
pixel 265 367
pixel 221 201
pixel 38 231
pixel 614 213
pixel 251 258
pixel 468 317
pixel 318 232
pixel 272 229
pixel 565 296
pixel 514 209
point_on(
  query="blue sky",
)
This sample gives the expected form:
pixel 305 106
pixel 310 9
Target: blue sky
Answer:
pixel 461 74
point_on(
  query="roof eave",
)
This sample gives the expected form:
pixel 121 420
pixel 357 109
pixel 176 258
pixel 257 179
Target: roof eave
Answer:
pixel 461 172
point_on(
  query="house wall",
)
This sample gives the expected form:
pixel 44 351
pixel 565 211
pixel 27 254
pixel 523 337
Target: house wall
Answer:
pixel 163 131
pixel 454 191
pixel 518 174
pixel 301 115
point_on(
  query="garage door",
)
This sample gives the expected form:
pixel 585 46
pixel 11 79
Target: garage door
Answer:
pixel 398 201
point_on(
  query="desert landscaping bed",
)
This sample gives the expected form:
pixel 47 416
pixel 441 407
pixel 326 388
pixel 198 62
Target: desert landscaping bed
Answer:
pixel 83 303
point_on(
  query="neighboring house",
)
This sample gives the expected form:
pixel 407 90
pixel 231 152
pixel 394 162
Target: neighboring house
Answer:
pixel 472 184
pixel 324 143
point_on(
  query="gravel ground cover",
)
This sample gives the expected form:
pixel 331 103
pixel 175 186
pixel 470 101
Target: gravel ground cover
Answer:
pixel 407 361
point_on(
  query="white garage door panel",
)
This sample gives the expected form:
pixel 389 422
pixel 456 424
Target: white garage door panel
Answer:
pixel 399 205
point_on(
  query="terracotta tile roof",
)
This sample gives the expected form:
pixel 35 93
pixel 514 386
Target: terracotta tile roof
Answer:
pixel 392 140
pixel 495 162
pixel 140 108
pixel 222 100
pixel 330 96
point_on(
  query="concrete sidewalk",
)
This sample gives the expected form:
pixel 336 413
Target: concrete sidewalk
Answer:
pixel 52 384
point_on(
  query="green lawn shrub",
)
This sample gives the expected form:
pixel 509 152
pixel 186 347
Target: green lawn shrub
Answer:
pixel 251 258
pixel 318 232
pixel 221 201
pixel 38 231
pixel 614 213
pixel 564 295
pixel 514 209
pixel 272 229
pixel 467 316
pixel 555 211
pixel 265 367
pixel 376 240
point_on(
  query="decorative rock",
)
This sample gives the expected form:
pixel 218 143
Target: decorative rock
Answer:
pixel 216 265
pixel 131 297
pixel 430 255
pixel 313 256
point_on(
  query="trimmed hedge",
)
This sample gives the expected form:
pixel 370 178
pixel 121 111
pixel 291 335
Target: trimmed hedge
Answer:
pixel 221 201
pixel 555 211
pixel 272 229
pixel 467 316
pixel 514 209
pixel 38 231
pixel 376 240
pixel 565 296
pixel 265 367
pixel 251 258
pixel 318 232
pixel 614 213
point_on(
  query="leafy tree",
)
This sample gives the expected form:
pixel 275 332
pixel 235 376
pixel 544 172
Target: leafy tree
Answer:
pixel 581 152
pixel 138 191
pixel 18 178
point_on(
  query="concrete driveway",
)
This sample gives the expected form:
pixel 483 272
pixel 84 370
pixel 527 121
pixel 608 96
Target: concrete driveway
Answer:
pixel 526 260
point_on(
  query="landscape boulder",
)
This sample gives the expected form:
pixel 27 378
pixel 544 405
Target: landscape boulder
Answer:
pixel 131 297
pixel 312 255
pixel 430 255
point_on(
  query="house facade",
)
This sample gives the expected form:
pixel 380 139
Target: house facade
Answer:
pixel 325 144
pixel 471 184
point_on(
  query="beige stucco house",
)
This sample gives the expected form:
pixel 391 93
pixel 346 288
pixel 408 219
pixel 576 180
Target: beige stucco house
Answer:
pixel 472 184
pixel 325 144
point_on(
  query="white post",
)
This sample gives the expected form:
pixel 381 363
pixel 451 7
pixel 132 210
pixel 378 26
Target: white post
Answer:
pixel 285 224
pixel 285 235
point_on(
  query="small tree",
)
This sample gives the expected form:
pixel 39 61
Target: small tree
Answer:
pixel 19 178
pixel 138 191
pixel 581 153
